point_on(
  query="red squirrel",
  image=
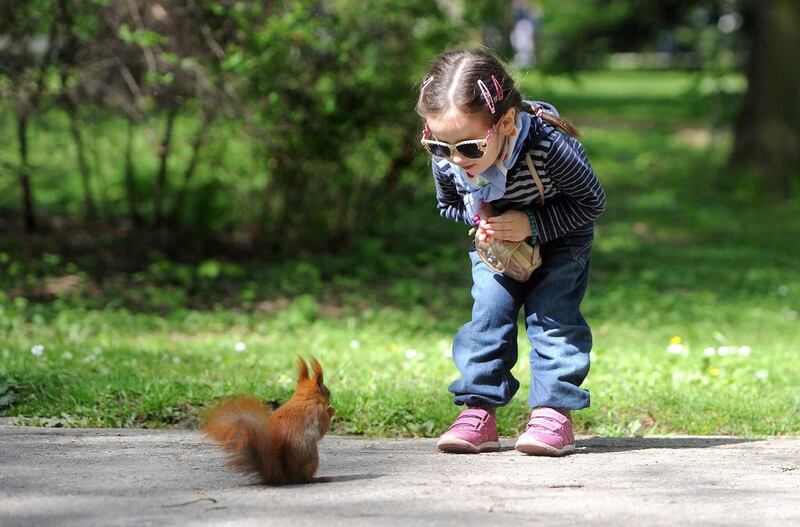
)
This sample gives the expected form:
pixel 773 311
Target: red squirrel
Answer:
pixel 279 446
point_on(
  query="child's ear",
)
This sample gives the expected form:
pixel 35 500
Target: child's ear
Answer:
pixel 508 121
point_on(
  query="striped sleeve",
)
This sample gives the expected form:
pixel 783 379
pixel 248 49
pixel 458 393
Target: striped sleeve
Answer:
pixel 582 198
pixel 449 202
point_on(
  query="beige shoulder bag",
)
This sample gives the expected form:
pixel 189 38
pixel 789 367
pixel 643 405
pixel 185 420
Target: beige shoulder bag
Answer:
pixel 517 260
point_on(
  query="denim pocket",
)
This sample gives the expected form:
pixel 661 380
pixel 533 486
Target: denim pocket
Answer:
pixel 580 244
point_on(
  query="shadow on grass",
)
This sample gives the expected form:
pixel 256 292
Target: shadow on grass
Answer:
pixel 601 445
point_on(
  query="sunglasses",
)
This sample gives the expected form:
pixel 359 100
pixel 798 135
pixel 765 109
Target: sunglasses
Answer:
pixel 471 149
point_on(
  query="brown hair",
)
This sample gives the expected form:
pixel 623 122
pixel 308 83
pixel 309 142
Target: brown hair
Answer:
pixel 453 81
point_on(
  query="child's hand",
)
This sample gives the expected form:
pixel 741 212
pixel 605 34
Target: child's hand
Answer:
pixel 512 225
pixel 486 211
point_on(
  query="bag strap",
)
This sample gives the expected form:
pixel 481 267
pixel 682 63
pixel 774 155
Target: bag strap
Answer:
pixel 535 176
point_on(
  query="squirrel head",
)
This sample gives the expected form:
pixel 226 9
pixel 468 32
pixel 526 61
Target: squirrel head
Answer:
pixel 312 385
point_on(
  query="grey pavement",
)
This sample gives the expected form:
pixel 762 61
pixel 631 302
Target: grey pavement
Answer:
pixel 104 477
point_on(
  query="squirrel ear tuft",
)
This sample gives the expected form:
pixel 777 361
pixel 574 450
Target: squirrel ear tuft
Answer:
pixel 302 369
pixel 317 370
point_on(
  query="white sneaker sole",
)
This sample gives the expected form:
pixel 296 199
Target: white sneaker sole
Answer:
pixel 454 445
pixel 537 448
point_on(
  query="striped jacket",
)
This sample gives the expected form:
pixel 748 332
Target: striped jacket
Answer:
pixel 573 195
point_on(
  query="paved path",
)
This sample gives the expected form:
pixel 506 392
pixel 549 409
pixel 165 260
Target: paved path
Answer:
pixel 79 477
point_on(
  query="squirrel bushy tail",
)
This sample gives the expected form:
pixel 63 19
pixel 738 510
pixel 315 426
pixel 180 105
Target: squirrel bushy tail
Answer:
pixel 239 425
pixel 279 446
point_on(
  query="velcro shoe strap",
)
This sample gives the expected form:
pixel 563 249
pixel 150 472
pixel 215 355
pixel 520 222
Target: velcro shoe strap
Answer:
pixel 548 419
pixel 471 418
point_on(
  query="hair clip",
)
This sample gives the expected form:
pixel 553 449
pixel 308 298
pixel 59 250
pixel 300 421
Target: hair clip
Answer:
pixel 498 88
pixel 425 84
pixel 486 95
pixel 426 132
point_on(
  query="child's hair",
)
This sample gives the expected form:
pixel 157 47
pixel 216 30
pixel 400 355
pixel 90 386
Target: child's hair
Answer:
pixel 475 81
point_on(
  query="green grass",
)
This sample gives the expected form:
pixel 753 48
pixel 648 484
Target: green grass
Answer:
pixel 683 251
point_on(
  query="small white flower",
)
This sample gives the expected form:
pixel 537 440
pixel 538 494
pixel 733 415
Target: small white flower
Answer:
pixel 678 375
pixel 744 351
pixel 354 345
pixel 676 349
pixel 762 374
pixel 411 353
pixel 724 350
pixel 66 355
pixel 240 346
pixel 37 350
pixel 709 352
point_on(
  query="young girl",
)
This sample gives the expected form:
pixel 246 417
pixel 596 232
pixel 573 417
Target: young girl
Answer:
pixel 479 132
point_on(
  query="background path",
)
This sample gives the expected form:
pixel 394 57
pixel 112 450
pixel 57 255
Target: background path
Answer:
pixel 161 477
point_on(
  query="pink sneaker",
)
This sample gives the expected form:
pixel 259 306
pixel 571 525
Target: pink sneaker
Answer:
pixel 473 431
pixel 548 433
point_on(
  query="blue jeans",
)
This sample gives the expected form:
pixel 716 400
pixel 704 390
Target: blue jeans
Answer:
pixel 485 349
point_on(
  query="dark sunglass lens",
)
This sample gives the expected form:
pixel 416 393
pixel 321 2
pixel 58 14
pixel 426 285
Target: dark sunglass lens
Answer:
pixel 439 150
pixel 470 150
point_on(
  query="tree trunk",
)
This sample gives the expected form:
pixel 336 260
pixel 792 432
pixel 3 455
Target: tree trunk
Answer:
pixel 161 177
pixel 768 128
pixel 28 214
pixel 83 166
pixel 130 186
pixel 104 207
pixel 197 144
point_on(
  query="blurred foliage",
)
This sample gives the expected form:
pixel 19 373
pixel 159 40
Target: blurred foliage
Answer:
pixel 333 85
pixel 580 34
pixel 281 125
pixel 315 95
pixel 577 34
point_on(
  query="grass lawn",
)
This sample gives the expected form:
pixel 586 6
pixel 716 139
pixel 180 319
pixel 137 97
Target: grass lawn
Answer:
pixel 694 302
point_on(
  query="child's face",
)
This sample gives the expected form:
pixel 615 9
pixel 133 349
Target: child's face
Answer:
pixel 456 126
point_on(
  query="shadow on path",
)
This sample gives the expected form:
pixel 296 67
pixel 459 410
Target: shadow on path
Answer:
pixel 599 445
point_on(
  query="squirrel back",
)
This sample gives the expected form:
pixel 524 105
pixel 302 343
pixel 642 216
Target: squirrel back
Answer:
pixel 279 446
